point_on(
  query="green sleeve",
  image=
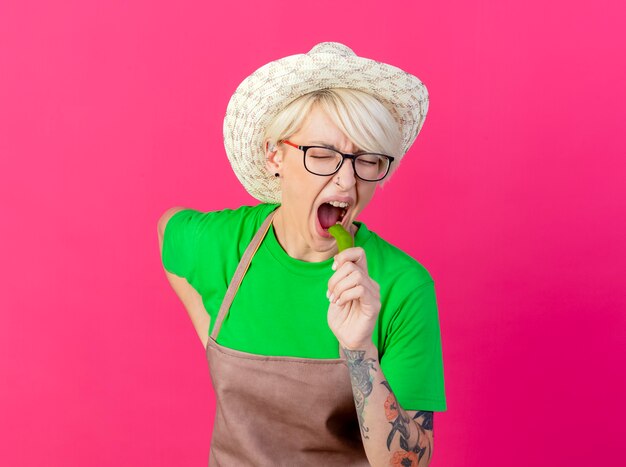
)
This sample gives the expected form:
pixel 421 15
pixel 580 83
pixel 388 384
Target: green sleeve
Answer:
pixel 412 361
pixel 205 247
pixel 180 243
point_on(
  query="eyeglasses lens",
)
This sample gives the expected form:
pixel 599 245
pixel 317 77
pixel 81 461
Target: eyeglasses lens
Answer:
pixel 323 161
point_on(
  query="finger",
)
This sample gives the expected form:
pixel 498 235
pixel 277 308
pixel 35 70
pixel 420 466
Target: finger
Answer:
pixel 341 273
pixel 355 293
pixel 356 278
pixel 355 255
pixel 353 279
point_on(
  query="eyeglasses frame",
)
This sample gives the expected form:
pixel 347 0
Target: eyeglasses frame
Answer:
pixel 352 158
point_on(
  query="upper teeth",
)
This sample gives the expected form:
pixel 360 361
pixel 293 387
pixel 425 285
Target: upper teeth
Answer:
pixel 338 204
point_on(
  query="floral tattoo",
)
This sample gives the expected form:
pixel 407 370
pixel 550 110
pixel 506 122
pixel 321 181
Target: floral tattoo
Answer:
pixel 409 455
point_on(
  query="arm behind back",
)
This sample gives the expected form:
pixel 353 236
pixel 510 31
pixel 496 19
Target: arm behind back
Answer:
pixel 186 293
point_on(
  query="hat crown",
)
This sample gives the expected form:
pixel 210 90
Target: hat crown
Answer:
pixel 332 48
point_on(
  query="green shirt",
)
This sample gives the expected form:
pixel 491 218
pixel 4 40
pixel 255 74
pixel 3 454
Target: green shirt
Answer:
pixel 281 307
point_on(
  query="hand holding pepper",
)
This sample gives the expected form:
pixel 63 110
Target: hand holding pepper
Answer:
pixel 354 296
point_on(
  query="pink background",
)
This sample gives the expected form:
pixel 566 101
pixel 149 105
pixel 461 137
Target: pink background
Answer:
pixel 512 197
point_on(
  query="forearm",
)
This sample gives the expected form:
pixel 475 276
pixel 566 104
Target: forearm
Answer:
pixel 390 436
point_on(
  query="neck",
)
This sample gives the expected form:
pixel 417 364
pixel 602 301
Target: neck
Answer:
pixel 292 241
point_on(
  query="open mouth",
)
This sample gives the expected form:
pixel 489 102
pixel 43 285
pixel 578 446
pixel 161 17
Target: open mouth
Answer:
pixel 328 215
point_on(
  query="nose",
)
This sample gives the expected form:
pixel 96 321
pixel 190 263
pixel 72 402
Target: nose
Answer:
pixel 346 177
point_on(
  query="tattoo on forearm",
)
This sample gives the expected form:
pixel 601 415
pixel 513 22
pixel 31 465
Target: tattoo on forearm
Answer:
pixel 410 455
pixel 428 422
pixel 361 381
pixel 412 450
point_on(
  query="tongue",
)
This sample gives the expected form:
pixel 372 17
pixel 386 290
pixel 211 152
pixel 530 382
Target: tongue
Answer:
pixel 328 215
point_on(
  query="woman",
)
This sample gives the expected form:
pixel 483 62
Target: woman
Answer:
pixel 323 358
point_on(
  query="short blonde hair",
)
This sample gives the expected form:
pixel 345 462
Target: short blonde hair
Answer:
pixel 362 117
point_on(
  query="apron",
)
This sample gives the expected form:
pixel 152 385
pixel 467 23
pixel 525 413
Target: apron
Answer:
pixel 279 411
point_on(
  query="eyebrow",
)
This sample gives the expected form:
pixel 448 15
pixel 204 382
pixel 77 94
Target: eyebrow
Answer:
pixel 322 143
pixel 330 146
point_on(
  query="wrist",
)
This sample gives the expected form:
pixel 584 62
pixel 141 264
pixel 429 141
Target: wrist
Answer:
pixel 367 346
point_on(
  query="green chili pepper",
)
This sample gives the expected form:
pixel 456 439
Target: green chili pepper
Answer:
pixel 342 236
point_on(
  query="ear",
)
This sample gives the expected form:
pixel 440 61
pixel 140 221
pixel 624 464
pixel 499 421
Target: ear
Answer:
pixel 273 157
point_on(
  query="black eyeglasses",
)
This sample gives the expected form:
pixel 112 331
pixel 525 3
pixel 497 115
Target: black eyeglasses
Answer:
pixel 323 161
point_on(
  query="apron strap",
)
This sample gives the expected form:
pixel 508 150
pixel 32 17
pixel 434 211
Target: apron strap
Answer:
pixel 240 272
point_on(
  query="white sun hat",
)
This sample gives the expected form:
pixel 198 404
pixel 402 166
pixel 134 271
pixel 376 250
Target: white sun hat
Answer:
pixel 267 91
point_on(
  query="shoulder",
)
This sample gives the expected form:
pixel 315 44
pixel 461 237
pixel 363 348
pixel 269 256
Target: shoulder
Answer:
pixel 243 221
pixel 394 263
pixel 216 220
pixel 242 214
pixel 223 227
pixel 192 238
pixel 166 216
